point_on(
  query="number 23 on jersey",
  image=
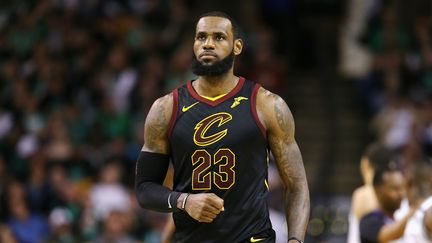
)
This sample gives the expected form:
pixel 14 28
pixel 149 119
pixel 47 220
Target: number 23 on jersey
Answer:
pixel 223 175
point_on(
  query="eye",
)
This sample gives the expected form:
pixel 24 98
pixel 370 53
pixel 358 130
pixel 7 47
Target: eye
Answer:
pixel 220 37
pixel 200 37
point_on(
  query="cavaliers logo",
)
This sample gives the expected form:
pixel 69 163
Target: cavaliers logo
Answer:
pixel 201 138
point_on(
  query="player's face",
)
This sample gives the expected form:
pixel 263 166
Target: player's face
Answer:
pixel 392 191
pixel 214 40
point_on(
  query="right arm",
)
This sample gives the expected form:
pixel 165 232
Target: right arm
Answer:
pixel 152 166
pixel 153 161
pixel 157 125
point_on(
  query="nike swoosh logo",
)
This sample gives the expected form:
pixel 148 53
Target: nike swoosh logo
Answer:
pixel 186 108
pixel 253 239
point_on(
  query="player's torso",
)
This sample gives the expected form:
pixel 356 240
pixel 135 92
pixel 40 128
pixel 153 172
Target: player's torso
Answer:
pixel 219 146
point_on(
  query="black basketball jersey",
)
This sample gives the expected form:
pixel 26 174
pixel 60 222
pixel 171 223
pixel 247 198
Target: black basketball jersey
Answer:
pixel 220 146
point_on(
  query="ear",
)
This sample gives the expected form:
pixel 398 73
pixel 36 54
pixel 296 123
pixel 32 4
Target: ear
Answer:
pixel 238 46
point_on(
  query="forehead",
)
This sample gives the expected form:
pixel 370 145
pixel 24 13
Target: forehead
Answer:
pixel 212 24
pixel 393 178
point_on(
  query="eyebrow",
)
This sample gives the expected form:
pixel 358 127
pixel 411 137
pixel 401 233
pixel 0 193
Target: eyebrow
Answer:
pixel 214 33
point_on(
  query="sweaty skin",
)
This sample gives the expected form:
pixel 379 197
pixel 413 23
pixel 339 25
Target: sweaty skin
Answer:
pixel 279 122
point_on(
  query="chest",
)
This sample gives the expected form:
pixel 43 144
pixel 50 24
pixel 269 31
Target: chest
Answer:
pixel 230 124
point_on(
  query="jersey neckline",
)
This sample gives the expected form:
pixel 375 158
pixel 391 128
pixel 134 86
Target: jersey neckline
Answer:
pixel 230 94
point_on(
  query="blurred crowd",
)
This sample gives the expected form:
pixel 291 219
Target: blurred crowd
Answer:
pixel 77 78
pixel 386 49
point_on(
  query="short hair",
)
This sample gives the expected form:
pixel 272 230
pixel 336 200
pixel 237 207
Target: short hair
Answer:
pixel 234 25
pixel 378 155
pixel 382 169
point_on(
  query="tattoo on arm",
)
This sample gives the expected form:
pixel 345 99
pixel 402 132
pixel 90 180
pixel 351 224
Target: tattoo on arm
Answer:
pixel 283 118
pixel 290 165
pixel 156 126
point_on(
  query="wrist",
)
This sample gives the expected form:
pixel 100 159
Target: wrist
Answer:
pixel 294 240
pixel 181 201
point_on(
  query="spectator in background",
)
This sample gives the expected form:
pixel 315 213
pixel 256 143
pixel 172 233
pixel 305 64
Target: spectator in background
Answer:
pixel 115 229
pixel 356 59
pixel 109 194
pixel 389 40
pixel 28 227
pixel 379 225
pixel 364 199
pixel 6 234
pixel 60 220
pixel 37 186
pixel 395 122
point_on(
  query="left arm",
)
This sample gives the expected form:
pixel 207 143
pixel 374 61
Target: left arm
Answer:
pixel 279 122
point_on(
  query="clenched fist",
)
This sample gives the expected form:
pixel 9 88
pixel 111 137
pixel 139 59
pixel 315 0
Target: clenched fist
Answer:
pixel 203 207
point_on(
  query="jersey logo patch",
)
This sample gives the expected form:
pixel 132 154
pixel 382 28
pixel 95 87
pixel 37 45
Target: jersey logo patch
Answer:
pixel 253 239
pixel 186 108
pixel 200 136
pixel 237 101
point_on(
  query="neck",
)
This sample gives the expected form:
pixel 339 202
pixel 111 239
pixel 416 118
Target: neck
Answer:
pixel 217 85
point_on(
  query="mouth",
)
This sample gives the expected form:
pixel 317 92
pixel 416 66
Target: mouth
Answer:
pixel 206 55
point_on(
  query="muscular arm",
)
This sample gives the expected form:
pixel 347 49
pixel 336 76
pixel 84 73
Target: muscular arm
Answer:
pixel 153 161
pixel 203 207
pixel 278 120
pixel 157 125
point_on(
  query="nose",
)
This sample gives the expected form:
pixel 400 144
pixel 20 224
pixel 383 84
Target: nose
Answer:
pixel 208 44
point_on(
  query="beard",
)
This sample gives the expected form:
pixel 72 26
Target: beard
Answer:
pixel 216 69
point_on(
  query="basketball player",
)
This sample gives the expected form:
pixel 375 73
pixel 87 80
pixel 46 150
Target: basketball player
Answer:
pixel 380 225
pixel 217 130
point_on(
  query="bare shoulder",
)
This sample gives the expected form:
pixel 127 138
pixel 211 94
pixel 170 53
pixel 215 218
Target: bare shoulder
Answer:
pixel 363 201
pixel 163 104
pixel 157 125
pixel 274 112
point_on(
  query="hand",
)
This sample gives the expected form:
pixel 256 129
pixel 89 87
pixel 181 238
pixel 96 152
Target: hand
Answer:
pixel 204 207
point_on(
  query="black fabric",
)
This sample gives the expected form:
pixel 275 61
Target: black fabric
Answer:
pixel 371 224
pixel 266 236
pixel 151 169
pixel 238 159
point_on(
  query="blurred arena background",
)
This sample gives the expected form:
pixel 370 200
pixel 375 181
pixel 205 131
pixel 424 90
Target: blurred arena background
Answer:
pixel 77 78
